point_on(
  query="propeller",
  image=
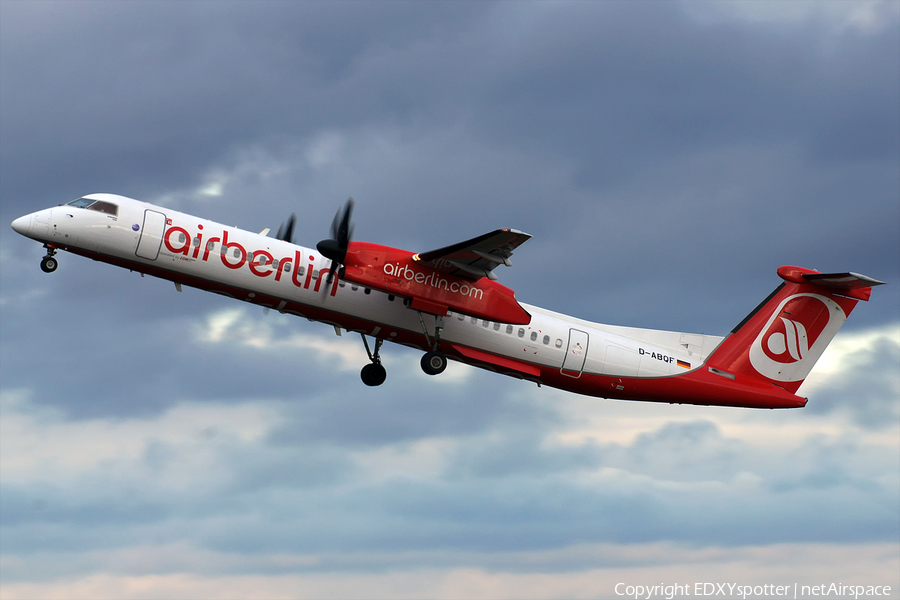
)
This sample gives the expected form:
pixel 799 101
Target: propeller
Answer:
pixel 341 232
pixel 286 230
pixel 285 233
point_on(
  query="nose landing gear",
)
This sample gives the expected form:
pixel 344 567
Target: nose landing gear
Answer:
pixel 48 263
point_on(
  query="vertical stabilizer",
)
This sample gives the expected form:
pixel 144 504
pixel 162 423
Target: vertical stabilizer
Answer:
pixel 785 335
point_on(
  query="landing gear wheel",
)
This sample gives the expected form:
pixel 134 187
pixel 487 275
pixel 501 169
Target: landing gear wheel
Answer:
pixel 434 362
pixel 49 264
pixel 373 375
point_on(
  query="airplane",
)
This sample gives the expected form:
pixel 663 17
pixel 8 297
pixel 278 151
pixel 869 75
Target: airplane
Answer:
pixel 448 303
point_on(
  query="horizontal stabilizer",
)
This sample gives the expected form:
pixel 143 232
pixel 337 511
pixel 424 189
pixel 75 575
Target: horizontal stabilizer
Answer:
pixel 853 285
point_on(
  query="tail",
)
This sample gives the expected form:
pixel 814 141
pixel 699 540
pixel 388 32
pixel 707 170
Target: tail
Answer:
pixel 781 340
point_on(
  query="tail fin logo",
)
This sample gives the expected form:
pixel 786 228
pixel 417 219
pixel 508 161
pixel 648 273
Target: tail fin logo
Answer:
pixel 786 341
pixel 795 336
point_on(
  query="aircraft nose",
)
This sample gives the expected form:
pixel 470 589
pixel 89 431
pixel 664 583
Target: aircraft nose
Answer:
pixel 22 225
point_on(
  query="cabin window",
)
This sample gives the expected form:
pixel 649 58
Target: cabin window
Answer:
pixel 210 245
pixel 301 271
pixel 237 252
pixel 367 291
pixel 196 241
pixel 485 323
pixel 546 340
pixel 509 328
pixel 354 287
pixel 474 320
pixel 275 265
pixel 496 326
pixel 249 257
pixel 521 332
pixel 462 317
pixel 391 297
pixel 315 274
pixel 558 343
pixel 534 336
pixel 181 238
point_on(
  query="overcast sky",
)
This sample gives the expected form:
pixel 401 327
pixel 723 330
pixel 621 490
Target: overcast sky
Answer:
pixel 667 157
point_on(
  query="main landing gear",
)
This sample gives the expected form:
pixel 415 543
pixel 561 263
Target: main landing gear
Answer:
pixel 374 373
pixel 433 362
pixel 48 263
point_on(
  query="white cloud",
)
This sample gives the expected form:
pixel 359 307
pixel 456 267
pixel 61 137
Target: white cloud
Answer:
pixel 239 326
pixel 861 15
pixel 205 502
pixel 638 564
pixel 848 351
pixel 38 445
pixel 212 189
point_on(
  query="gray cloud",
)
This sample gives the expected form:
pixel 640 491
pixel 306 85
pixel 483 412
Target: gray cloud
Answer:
pixel 666 158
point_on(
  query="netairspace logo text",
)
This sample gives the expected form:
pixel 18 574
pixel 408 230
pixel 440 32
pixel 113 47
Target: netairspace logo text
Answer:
pixel 736 590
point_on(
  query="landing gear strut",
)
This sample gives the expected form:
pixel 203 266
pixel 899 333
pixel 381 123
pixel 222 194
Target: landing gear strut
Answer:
pixel 374 373
pixel 435 361
pixel 48 263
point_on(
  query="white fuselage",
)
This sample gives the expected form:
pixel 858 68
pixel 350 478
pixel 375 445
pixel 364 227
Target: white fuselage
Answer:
pixel 285 277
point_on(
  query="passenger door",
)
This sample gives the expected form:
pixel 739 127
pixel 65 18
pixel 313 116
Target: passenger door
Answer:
pixel 151 234
pixel 576 352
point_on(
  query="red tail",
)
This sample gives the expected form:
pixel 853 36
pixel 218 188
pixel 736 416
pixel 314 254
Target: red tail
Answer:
pixel 785 335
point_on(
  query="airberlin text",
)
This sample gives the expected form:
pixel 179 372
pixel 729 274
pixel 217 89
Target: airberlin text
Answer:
pixel 234 256
pixel 433 279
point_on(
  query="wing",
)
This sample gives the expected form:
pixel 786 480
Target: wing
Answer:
pixel 475 258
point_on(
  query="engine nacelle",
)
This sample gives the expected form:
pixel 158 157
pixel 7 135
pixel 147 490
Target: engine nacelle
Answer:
pixel 394 271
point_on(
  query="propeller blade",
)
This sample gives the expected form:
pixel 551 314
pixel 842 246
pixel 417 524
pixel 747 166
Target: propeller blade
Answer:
pixel 286 230
pixel 331 271
pixel 341 233
pixel 346 231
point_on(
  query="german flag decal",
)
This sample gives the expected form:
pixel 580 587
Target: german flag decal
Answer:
pixel 684 365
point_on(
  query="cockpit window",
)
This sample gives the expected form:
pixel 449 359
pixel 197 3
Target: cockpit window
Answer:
pixel 104 207
pixel 99 205
pixel 81 202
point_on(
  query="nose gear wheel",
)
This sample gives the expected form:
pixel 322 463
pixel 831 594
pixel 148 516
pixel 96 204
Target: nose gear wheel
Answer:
pixel 49 263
